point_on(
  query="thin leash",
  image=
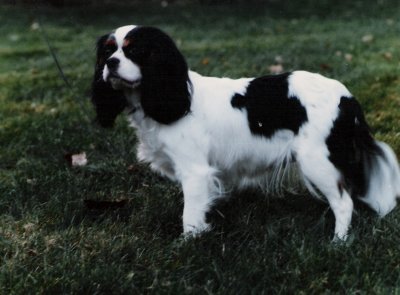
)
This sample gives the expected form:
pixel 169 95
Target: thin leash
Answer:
pixel 77 97
pixel 57 62
pixel 53 54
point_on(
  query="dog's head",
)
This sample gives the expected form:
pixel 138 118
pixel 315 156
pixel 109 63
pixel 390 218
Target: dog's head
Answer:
pixel 144 60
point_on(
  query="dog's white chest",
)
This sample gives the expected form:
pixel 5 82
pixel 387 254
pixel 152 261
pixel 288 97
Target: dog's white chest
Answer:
pixel 151 149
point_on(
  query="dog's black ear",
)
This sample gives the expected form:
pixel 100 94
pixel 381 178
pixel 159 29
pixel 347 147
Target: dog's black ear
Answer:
pixel 165 94
pixel 107 101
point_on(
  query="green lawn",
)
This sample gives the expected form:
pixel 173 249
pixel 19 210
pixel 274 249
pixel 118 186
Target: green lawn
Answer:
pixel 53 241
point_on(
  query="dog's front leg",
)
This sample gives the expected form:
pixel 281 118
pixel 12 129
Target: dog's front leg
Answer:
pixel 197 185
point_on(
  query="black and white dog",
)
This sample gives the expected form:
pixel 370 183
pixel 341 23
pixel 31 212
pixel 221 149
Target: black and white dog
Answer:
pixel 215 134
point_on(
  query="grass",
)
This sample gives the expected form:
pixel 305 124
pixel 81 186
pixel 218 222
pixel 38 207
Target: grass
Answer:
pixel 52 242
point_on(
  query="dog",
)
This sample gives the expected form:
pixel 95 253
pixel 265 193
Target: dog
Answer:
pixel 213 135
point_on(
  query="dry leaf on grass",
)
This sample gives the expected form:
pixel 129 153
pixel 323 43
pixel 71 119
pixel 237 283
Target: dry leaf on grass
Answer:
pixel 388 55
pixel 35 26
pixel 348 57
pixel 205 61
pixel 367 38
pixel 276 69
pixel 325 67
pixel 76 160
pixel 29 227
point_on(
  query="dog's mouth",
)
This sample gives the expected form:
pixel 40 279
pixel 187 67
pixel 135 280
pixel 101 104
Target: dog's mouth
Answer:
pixel 117 82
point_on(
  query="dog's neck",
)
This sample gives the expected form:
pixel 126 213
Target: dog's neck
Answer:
pixel 134 109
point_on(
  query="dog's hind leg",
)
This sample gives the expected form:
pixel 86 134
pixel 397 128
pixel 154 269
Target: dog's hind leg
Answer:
pixel 320 172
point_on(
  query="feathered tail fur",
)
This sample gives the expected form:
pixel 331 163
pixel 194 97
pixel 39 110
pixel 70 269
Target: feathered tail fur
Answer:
pixel 370 167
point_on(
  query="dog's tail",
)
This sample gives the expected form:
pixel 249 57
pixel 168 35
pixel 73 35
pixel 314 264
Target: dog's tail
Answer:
pixel 370 167
pixel 383 179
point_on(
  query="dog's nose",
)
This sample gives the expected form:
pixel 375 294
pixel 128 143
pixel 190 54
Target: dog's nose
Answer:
pixel 112 63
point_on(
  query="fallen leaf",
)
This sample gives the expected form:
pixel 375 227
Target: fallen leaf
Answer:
pixel 390 22
pixel 50 242
pixel 76 160
pixel 130 275
pixel 348 57
pixel 367 38
pixel 38 108
pixel 14 37
pixel 53 111
pixel 388 55
pixel 35 26
pixel 325 66
pixel 31 181
pixel 79 159
pixel 275 69
pixel 205 61
pixel 29 227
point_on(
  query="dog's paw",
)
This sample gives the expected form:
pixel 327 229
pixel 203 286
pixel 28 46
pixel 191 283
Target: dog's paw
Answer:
pixel 345 240
pixel 192 231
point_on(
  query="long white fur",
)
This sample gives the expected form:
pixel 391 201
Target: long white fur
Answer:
pixel 384 183
pixel 211 150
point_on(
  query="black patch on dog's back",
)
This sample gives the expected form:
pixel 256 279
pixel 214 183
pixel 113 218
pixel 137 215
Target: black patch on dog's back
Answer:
pixel 269 107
